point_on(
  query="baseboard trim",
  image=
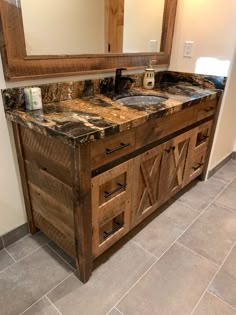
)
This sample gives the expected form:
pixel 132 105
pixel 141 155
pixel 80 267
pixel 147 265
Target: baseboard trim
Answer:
pixel 234 155
pixel 231 156
pixel 14 235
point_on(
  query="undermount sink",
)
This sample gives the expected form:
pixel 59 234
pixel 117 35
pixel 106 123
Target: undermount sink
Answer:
pixel 141 100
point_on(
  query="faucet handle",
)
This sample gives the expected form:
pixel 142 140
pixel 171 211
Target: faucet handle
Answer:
pixel 119 71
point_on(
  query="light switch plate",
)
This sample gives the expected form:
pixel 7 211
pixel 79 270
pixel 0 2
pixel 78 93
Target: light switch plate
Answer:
pixel 188 49
pixel 153 45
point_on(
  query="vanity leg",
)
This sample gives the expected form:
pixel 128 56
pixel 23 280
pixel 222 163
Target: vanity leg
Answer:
pixel 82 211
pixel 21 162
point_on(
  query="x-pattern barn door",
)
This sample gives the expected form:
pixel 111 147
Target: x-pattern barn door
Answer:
pixel 174 164
pixel 147 170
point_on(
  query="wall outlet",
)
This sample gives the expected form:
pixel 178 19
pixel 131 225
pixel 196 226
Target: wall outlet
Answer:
pixel 188 49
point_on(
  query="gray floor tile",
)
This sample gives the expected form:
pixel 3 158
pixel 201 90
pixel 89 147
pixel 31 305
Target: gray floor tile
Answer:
pixel 16 234
pixel 61 253
pixel 228 197
pixel 107 285
pixel 159 234
pixel 201 195
pixel 115 312
pixel 26 245
pixel 5 260
pixel 28 280
pixel 211 305
pixel 227 173
pixel 213 234
pixel 42 307
pixel 224 285
pixel 172 286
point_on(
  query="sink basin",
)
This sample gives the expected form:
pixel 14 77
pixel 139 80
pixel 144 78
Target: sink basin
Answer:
pixel 141 100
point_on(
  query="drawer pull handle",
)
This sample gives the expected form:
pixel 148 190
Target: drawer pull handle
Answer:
pixel 121 146
pixel 171 148
pixel 209 109
pixel 203 138
pixel 115 229
pixel 197 167
pixel 119 187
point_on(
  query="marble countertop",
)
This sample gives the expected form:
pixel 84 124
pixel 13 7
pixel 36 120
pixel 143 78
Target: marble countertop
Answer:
pixel 86 119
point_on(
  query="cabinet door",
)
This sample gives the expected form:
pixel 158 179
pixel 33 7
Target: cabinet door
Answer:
pixel 174 161
pixel 146 183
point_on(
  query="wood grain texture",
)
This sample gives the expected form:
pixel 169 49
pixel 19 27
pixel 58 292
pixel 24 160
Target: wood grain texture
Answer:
pixel 49 154
pixel 17 66
pixel 211 138
pixel 104 211
pixel 173 169
pixel 54 234
pixel 114 16
pixel 81 171
pixel 146 184
pixel 99 149
pixel 24 181
pixel 164 126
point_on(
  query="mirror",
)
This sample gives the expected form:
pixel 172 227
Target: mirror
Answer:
pixel 92 26
pixel 99 36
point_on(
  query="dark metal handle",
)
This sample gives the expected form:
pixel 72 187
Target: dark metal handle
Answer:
pixel 204 138
pixel 116 228
pixel 119 71
pixel 197 167
pixel 171 148
pixel 209 109
pixel 119 187
pixel 121 146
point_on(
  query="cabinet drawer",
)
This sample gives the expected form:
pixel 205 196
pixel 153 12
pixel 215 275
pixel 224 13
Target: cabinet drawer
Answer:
pixel 112 148
pixel 111 194
pixel 206 109
pixel 164 126
pixel 195 165
pixel 202 136
pixel 111 227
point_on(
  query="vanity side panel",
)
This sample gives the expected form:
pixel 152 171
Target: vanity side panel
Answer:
pixel 47 163
pixel 81 170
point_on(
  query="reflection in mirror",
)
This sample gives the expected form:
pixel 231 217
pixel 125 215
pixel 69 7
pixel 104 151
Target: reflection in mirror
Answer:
pixel 142 25
pixel 57 27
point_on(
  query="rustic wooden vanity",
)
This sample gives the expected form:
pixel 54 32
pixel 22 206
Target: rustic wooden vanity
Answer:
pixel 86 195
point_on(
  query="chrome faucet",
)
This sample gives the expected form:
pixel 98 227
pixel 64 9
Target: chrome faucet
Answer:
pixel 120 79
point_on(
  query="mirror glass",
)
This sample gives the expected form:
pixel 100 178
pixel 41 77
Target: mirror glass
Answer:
pixel 74 27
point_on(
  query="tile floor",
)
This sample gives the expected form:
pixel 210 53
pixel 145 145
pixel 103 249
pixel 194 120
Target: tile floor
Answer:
pixel 182 262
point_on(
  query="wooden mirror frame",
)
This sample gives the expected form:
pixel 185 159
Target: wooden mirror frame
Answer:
pixel 18 66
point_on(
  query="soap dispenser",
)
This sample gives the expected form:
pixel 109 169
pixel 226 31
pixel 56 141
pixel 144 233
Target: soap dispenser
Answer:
pixel 149 77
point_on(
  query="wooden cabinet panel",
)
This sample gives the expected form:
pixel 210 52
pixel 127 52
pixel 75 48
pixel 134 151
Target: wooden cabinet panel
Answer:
pixel 50 154
pixel 112 148
pixel 146 184
pixel 206 109
pixel 164 126
pixel 173 168
pixel 111 197
pixel 197 152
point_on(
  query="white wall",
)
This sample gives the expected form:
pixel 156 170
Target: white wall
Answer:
pixel 225 137
pixel 12 211
pixel 56 27
pixel 211 25
pixel 142 23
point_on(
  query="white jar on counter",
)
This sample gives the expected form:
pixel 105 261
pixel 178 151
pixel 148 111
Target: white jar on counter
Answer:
pixel 33 98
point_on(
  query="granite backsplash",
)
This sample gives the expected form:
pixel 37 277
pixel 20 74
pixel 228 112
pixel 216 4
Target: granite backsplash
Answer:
pixel 56 92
